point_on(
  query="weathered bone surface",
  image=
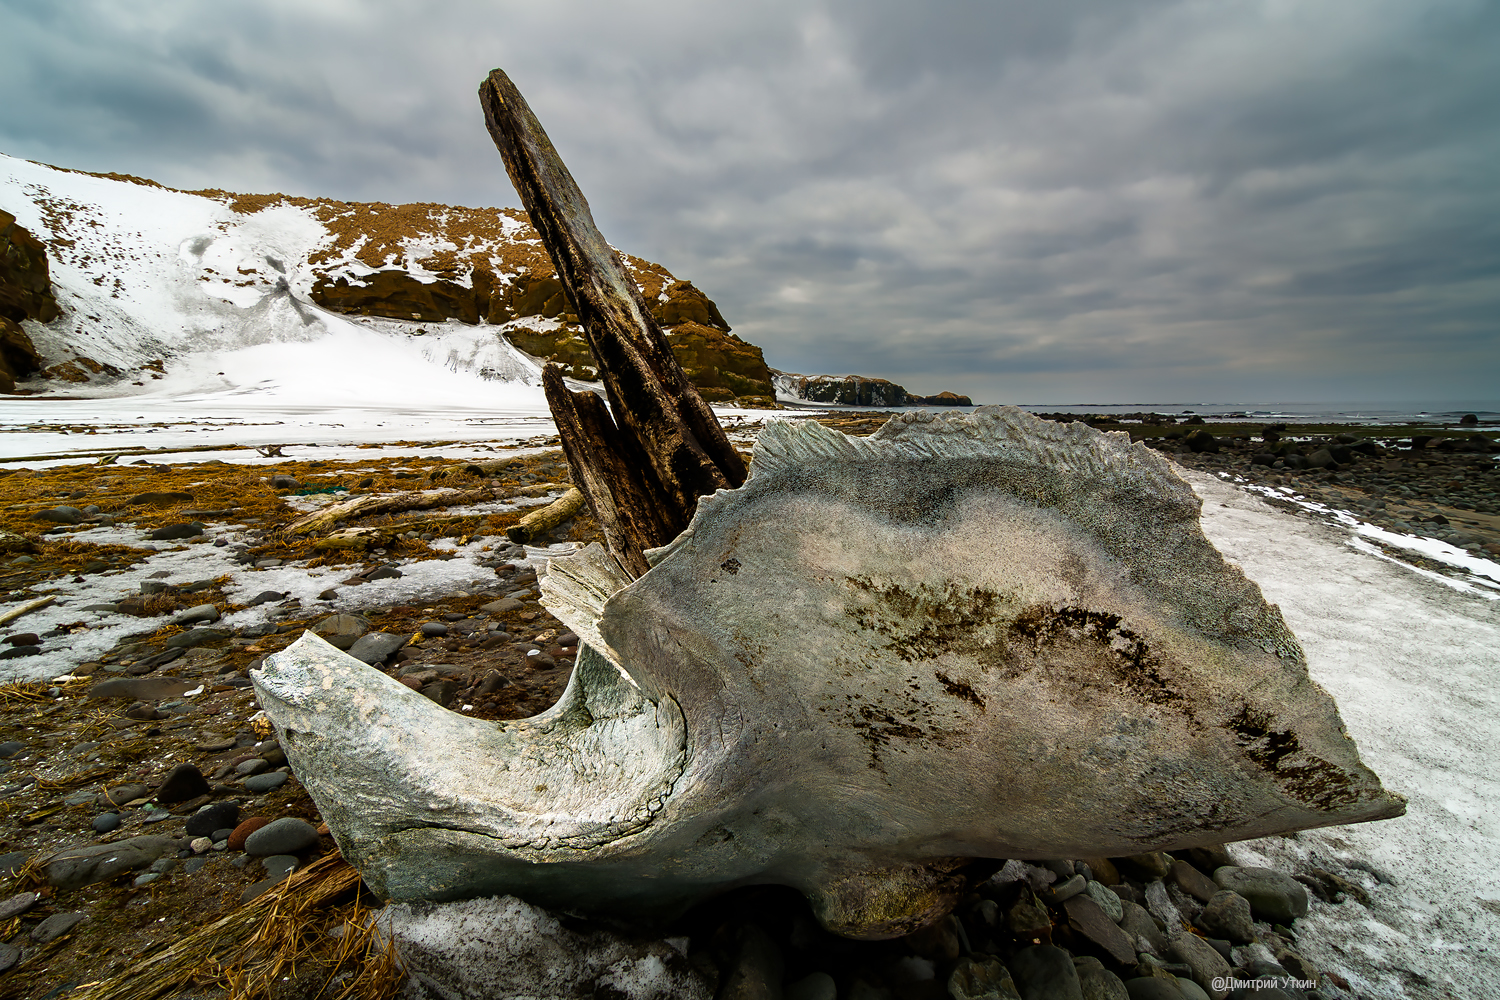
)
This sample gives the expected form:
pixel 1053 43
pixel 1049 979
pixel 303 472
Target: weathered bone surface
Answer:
pixel 972 636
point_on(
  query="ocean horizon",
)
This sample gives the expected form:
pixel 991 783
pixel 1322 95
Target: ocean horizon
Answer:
pixel 1371 412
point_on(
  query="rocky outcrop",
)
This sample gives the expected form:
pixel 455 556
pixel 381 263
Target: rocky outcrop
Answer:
pixel 400 295
pixel 856 390
pixel 846 390
pixel 719 364
pixel 25 293
pixel 941 399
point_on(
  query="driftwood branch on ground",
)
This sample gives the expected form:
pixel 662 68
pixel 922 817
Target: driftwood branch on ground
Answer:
pixel 376 503
pixel 544 519
pixel 642 469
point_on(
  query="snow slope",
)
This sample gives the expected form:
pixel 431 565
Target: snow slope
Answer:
pixel 191 294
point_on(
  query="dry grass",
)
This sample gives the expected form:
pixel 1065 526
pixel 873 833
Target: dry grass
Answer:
pixel 282 934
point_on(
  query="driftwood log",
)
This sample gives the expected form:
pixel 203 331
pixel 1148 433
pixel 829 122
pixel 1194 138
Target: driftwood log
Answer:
pixel 539 522
pixel 643 462
pixel 378 503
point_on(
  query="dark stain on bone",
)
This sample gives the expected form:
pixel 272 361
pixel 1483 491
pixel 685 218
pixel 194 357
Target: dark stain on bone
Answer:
pixel 730 566
pixel 922 622
pixel 1280 754
pixel 960 689
pixel 1131 661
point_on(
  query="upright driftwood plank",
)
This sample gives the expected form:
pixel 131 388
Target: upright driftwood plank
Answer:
pixel 660 419
pixel 614 484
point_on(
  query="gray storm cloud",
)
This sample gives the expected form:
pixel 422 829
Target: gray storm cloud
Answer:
pixel 1079 200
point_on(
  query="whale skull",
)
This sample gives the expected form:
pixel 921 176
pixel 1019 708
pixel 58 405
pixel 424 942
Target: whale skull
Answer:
pixel 975 636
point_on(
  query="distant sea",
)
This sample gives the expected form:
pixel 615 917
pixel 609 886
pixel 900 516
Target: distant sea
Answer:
pixel 1374 413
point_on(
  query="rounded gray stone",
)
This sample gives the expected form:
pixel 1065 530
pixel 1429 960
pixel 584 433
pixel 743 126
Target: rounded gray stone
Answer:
pixel 105 822
pixel 55 927
pixel 1227 915
pixel 1045 972
pixel 287 835
pixel 17 905
pixel 200 613
pixel 376 647
pixel 259 784
pixel 1273 896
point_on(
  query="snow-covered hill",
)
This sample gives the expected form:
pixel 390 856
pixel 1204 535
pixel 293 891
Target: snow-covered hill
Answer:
pixel 166 292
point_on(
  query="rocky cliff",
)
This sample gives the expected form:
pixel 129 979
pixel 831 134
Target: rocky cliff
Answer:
pixel 25 293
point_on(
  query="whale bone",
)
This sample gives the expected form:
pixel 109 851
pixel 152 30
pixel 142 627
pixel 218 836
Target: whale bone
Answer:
pixel 972 636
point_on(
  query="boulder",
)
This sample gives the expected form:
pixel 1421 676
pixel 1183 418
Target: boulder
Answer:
pixel 1273 896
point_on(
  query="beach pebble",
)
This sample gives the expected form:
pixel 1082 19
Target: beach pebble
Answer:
pixel 252 766
pixel 9 956
pixel 194 615
pixel 981 980
pixel 1096 982
pixel 279 866
pixel 55 927
pixel 1137 923
pixel 1045 970
pixel 757 969
pixel 1227 915
pixel 236 840
pixel 1074 885
pixel 59 515
pixel 283 836
pixel 1200 956
pixel 214 816
pixel 1088 920
pixel 10 748
pixel 1193 882
pixel 17 905
pixel 433 629
pixel 193 637
pixel 120 794
pixel 259 784
pixel 105 822
pixel 200 844
pixel 376 647
pixel 183 782
pixel 146 879
pixel 816 986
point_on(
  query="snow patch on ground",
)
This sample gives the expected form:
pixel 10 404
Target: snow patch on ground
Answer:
pixel 1411 664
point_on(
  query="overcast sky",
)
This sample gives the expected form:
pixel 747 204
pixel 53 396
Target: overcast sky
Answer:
pixel 1044 201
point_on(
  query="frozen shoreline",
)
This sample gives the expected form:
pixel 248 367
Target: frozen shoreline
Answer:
pixel 1411 664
